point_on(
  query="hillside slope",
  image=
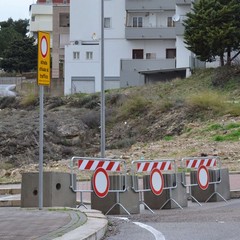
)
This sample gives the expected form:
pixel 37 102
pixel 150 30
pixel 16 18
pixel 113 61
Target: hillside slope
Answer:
pixel 184 117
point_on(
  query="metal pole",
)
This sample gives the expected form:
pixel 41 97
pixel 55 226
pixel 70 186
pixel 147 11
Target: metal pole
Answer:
pixel 102 84
pixel 41 112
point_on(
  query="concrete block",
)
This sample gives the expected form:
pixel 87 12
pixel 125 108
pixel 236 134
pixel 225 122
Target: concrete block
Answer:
pixel 223 188
pixel 56 190
pixel 179 194
pixel 129 199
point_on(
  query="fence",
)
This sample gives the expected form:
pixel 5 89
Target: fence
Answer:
pixel 94 166
pixel 202 165
pixel 140 168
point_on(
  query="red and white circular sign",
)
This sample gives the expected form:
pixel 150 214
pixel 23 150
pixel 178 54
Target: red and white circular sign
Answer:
pixel 101 182
pixel 44 46
pixel 156 181
pixel 203 177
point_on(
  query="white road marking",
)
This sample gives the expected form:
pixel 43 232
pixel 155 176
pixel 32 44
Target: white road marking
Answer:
pixel 158 235
pixel 123 218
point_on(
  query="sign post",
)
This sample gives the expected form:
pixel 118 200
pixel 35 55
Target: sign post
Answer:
pixel 43 80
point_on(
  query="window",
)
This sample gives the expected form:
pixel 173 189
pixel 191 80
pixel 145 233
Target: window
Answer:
pixel 64 20
pixel 170 22
pixel 89 55
pixel 137 21
pixel 33 18
pixel 107 22
pixel 76 55
pixel 171 53
pixel 137 54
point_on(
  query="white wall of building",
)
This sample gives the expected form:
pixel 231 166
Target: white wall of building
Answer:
pixel 182 53
pixel 85 19
pixel 41 20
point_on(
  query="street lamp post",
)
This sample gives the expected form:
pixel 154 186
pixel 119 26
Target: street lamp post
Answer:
pixel 102 84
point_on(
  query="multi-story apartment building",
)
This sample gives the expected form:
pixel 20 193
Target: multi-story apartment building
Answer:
pixel 143 43
pixel 52 16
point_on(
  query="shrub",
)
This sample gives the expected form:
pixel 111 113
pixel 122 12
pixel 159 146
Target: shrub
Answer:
pixel 92 119
pixel 207 100
pixel 29 99
pixel 122 143
pixel 134 106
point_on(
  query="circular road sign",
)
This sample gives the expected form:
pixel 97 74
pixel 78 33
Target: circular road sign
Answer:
pixel 203 177
pixel 44 46
pixel 101 182
pixel 156 181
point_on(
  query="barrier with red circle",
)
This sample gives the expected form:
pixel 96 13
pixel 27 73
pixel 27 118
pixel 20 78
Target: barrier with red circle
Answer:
pixel 97 169
pixel 202 165
pixel 156 169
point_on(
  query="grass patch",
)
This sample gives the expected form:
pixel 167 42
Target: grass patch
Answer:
pixel 233 136
pixel 214 127
pixel 207 100
pixel 168 138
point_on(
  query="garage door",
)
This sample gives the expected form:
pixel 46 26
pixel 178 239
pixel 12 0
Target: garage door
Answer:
pixel 83 85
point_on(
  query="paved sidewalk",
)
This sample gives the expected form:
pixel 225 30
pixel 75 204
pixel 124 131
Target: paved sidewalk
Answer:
pixel 51 223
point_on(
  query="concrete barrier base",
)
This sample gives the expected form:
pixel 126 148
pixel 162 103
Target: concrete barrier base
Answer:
pixel 178 194
pixel 56 190
pixel 219 191
pixel 128 199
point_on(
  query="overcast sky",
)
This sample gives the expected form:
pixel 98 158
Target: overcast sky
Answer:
pixel 16 9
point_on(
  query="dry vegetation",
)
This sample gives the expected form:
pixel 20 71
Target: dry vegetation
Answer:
pixel 197 116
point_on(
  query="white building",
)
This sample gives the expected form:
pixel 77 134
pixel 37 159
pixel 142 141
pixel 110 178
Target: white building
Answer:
pixel 52 16
pixel 41 19
pixel 142 43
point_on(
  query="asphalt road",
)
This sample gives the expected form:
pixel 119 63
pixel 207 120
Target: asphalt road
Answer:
pixel 212 221
pixel 6 90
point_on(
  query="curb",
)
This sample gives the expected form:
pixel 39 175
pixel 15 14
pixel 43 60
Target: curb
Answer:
pixel 93 229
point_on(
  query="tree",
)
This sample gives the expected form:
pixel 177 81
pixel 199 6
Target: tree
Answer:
pixel 213 29
pixel 20 26
pixel 20 56
pixel 7 35
pixel 11 30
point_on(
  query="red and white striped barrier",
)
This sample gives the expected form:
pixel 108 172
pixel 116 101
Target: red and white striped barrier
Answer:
pixel 153 179
pixel 196 163
pixel 202 165
pixel 100 179
pixel 149 166
pixel 93 164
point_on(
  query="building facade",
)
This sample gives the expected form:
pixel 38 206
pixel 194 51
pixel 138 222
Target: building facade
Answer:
pixel 143 43
pixel 52 16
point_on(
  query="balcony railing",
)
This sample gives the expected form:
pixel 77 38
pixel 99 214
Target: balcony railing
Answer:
pixel 183 2
pixel 147 64
pixel 150 33
pixel 153 4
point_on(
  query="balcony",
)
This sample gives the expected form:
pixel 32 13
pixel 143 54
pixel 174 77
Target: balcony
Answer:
pixel 153 4
pixel 184 2
pixel 147 64
pixel 132 33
